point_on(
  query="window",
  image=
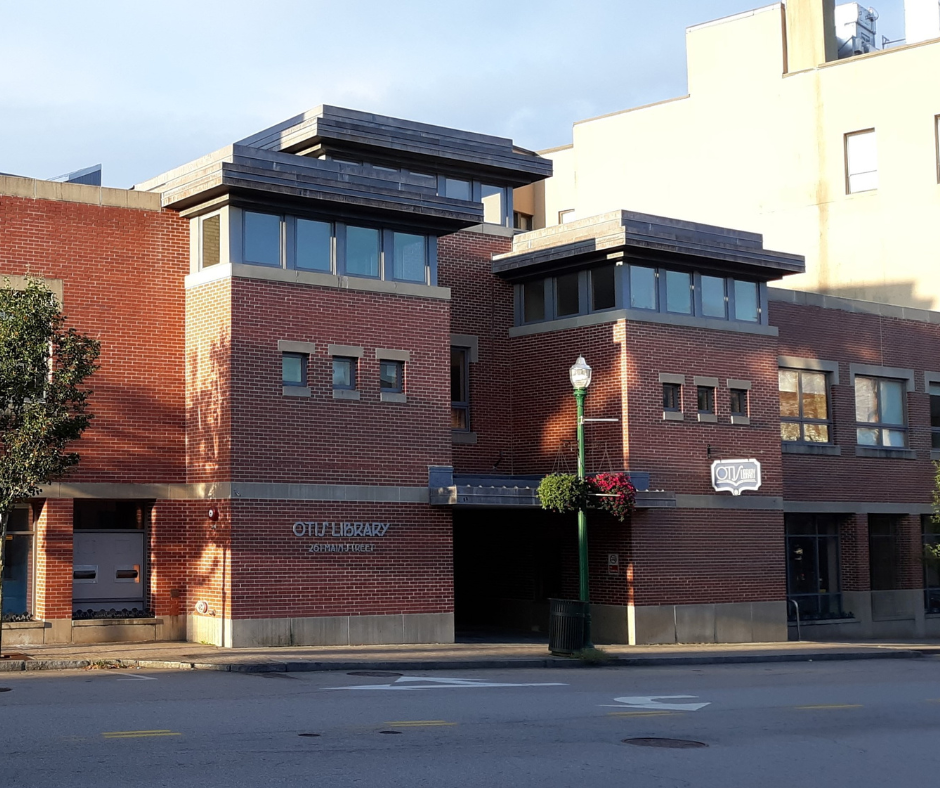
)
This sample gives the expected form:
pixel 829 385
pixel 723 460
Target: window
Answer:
pixel 410 258
pixel 603 290
pixel 713 297
pixel 313 246
pixel 521 221
pixel 262 238
pixel 294 369
pixel 18 567
pixel 672 397
pixel 931 537
pixel 392 377
pixel 879 411
pixel 567 301
pixel 804 406
pixel 457 189
pixel 813 566
pixel 362 251
pixel 533 301
pixel 566 216
pixel 344 373
pixel 883 551
pixel 861 162
pixel 934 390
pixel 738 402
pixel 642 287
pixel 936 121
pixel 746 305
pixel 460 389
pixel 706 399
pixel 494 204
pixel 210 248
pixel 678 292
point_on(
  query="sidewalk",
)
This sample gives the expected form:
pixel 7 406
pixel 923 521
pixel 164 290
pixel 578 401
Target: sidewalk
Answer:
pixel 452 656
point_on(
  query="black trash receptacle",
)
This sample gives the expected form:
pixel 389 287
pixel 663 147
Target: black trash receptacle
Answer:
pixel 566 626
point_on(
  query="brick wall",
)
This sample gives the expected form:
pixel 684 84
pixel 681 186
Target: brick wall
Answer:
pixel 123 275
pixel 53 524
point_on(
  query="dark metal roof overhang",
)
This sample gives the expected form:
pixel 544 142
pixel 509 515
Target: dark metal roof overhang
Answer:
pixel 646 239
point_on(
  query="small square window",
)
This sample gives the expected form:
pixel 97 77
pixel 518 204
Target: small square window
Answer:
pixel 706 399
pixel 294 369
pixel 672 397
pixel 738 399
pixel 344 373
pixel 391 376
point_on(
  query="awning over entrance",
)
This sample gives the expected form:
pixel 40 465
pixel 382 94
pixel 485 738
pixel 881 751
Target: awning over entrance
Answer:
pixel 446 488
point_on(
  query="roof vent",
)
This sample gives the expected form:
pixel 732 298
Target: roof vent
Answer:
pixel 856 30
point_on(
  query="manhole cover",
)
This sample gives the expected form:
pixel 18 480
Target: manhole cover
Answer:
pixel 309 735
pixel 4 689
pixel 392 732
pixel 672 744
pixel 379 674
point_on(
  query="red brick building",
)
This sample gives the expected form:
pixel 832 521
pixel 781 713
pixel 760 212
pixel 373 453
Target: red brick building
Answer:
pixel 332 374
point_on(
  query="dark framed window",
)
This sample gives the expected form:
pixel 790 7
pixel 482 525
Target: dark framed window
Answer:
pixel 521 221
pixel 294 369
pixel 934 390
pixel 494 203
pixel 533 301
pixel 804 406
pixel 460 389
pixel 738 402
pixel 884 551
pixel 313 245
pixel 262 238
pixel 746 301
pixel 19 570
pixel 410 257
pixel 567 295
pixel 362 251
pixel 879 412
pixel 344 373
pixel 931 538
pixel 813 580
pixel 392 376
pixel 457 189
pixel 706 399
pixel 679 292
pixel 603 288
pixel 714 297
pixel 672 397
pixel 210 249
pixel 643 288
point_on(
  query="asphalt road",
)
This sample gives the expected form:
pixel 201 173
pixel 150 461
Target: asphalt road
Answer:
pixel 828 724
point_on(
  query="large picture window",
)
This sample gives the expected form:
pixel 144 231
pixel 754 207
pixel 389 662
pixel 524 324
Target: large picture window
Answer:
pixel 804 406
pixel 931 537
pixel 879 411
pixel 813 566
pixel 19 566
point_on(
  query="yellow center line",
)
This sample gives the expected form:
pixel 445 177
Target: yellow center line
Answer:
pixel 832 706
pixel 420 723
pixel 639 713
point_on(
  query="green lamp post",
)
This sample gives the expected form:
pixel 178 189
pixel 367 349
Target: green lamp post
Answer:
pixel 580 375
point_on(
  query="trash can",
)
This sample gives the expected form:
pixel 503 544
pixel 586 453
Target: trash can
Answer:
pixel 566 626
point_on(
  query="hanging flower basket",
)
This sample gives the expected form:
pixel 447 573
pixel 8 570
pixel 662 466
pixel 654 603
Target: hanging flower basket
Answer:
pixel 609 492
pixel 565 492
pixel 616 494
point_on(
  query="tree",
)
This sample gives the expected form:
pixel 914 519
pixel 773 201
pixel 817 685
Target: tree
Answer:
pixel 43 406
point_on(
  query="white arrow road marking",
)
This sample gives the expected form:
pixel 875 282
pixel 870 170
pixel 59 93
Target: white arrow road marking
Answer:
pixel 652 702
pixel 411 683
pixel 137 678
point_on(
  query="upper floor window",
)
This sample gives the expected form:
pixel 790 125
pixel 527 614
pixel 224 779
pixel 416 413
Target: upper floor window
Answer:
pixel 679 292
pixel 494 204
pixel 706 399
pixel 391 376
pixel 861 161
pixel 643 288
pixel 567 297
pixel 737 402
pixel 262 238
pixel 313 243
pixel 294 369
pixel 362 251
pixel 344 373
pixel 460 388
pixel 603 288
pixel 714 297
pixel 934 390
pixel 521 221
pixel 879 411
pixel 804 406
pixel 746 302
pixel 457 189
pixel 210 242
pixel 672 397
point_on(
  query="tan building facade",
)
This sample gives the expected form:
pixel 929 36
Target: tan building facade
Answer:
pixel 833 158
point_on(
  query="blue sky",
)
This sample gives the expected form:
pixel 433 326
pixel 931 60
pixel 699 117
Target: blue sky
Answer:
pixel 143 87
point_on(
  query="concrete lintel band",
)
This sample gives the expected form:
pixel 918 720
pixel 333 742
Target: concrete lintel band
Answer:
pixel 734 383
pixel 240 490
pixel 350 351
pixel 855 507
pixel 873 370
pixel 703 380
pixel 763 502
pixel 288 346
pixel 670 377
pixel 815 364
pixel 383 354
pixel 803 298
pixel 929 379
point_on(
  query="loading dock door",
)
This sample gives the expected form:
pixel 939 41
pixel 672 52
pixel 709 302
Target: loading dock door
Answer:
pixel 108 567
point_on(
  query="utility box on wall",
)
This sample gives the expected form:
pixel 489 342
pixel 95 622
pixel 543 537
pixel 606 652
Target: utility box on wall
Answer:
pixel 108 568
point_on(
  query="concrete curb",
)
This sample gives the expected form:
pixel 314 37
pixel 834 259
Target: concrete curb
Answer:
pixel 308 666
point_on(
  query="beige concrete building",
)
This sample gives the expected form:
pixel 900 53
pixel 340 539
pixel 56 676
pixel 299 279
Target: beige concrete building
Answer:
pixel 832 157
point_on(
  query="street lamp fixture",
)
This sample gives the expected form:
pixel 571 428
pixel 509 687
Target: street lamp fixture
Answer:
pixel 580 375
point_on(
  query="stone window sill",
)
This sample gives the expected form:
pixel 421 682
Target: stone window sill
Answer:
pixel 710 418
pixel 389 396
pixel 345 394
pixel 296 391
pixel 673 415
pixel 745 420
pixel 811 448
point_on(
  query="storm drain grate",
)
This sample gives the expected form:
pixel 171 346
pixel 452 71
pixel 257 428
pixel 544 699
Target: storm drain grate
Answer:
pixel 671 744
pixel 309 735
pixel 392 732
pixel 378 674
pixel 4 689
